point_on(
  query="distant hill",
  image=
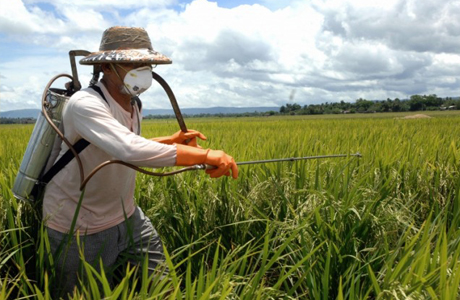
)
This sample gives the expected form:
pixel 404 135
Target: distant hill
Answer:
pixel 33 113
pixel 21 113
pixel 210 110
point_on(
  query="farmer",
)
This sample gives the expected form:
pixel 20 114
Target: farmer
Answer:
pixel 109 224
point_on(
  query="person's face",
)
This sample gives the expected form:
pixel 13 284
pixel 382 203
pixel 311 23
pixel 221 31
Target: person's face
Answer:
pixel 123 69
pixel 115 73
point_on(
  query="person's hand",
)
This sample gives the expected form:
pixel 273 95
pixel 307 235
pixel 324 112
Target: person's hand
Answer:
pixel 180 137
pixel 222 163
pixel 188 138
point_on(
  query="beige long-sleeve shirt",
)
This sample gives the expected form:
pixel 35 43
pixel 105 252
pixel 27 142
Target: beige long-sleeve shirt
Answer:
pixel 109 195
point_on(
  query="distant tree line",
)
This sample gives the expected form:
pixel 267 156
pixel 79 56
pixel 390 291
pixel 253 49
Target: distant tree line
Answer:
pixel 415 103
pixel 217 115
pixel 17 120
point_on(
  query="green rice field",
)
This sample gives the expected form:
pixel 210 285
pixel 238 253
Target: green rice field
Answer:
pixel 383 226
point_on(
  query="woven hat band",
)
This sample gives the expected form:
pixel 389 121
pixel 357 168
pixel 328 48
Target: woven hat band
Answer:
pixel 119 38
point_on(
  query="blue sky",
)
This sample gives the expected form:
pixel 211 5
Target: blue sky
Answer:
pixel 244 53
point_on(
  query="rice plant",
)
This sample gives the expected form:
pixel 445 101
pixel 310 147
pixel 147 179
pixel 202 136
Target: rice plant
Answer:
pixel 384 226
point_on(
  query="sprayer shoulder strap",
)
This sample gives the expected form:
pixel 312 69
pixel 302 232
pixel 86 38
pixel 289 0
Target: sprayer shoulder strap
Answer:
pixel 99 91
pixel 79 146
pixel 63 161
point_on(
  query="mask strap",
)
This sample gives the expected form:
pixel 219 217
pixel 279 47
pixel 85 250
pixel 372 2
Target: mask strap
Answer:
pixel 116 72
pixel 118 75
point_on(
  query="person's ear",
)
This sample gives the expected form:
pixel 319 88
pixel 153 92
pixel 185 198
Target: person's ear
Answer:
pixel 106 69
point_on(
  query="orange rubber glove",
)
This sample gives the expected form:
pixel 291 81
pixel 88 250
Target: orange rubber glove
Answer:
pixel 223 163
pixel 180 137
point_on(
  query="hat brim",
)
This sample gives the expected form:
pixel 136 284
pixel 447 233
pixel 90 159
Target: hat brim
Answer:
pixel 126 56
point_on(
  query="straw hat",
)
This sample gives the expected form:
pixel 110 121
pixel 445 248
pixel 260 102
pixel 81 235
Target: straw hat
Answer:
pixel 125 45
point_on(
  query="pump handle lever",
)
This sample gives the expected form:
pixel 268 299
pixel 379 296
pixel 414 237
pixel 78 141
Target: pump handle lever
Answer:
pixel 75 82
pixel 172 99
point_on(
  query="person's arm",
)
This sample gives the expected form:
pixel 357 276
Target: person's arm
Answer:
pixel 93 121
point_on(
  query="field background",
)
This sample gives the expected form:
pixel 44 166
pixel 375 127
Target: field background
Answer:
pixel 385 226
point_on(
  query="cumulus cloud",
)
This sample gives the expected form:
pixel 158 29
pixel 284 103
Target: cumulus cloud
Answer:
pixel 410 25
pixel 104 4
pixel 248 55
pixel 399 44
pixel 18 20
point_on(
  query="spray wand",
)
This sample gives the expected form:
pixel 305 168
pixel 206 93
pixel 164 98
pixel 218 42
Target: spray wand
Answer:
pixel 183 128
pixel 76 86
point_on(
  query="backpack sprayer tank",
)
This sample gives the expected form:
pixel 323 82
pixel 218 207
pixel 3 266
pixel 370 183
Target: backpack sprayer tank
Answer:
pixel 44 144
pixel 40 145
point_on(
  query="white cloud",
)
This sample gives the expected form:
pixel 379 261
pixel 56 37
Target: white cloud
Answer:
pixel 21 89
pixel 249 55
pixel 408 25
pixel 83 20
pixel 16 19
pixel 104 4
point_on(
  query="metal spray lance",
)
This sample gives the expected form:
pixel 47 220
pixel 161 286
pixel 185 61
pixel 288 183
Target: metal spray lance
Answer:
pixel 183 128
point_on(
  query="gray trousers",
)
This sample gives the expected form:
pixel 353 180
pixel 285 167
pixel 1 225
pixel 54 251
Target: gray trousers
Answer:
pixel 131 241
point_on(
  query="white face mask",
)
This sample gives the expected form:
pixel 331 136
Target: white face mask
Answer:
pixel 137 81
